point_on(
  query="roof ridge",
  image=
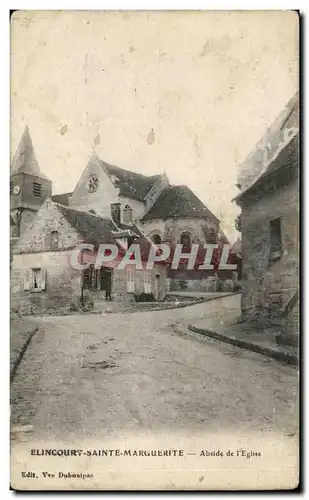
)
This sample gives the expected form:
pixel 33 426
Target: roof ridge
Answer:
pixel 127 170
pixel 59 194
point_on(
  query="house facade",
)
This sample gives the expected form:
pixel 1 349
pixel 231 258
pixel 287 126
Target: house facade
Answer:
pixel 270 232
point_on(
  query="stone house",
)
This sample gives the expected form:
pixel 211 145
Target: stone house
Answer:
pixel 161 212
pixel 43 277
pixel 270 240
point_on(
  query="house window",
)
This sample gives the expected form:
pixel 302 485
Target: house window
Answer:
pixel 275 239
pixel 54 240
pixel 147 282
pixel 185 240
pixel 130 280
pixel 37 189
pixel 156 239
pixel 35 279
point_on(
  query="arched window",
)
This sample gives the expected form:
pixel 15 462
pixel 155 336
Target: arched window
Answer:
pixel 156 239
pixel 185 240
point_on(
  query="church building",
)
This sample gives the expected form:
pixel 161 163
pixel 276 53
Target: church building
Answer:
pixel 108 204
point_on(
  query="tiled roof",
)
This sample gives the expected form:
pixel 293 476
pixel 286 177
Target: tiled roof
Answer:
pixel 24 161
pixel 93 229
pixel 96 230
pixel 178 202
pixel 62 198
pixel 130 183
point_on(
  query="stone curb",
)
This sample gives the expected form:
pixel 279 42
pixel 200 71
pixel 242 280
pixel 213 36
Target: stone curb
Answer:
pixel 278 355
pixel 21 353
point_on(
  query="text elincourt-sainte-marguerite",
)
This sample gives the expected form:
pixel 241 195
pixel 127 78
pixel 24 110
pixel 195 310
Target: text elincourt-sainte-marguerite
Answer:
pixel 106 453
pixel 140 453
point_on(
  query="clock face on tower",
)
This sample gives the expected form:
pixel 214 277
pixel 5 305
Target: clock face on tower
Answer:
pixel 16 190
pixel 93 183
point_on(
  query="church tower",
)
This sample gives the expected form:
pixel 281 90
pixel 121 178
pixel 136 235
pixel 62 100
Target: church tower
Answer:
pixel 29 187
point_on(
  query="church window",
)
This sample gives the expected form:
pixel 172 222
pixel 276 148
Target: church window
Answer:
pixel 156 239
pixel 211 236
pixel 37 189
pixel 54 240
pixel 11 187
pixel 185 240
pixel 93 183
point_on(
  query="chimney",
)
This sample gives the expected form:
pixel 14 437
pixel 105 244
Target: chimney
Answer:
pixel 115 212
pixel 127 215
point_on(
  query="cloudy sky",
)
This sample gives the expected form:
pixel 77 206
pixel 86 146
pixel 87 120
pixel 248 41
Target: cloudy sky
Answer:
pixel 186 92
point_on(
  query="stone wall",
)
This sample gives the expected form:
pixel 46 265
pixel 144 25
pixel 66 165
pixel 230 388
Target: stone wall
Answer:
pixel 268 285
pixel 62 283
pixel 171 229
pixel 36 238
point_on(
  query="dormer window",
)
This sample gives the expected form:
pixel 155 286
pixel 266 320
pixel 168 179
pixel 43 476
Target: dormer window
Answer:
pixel 114 179
pixel 37 189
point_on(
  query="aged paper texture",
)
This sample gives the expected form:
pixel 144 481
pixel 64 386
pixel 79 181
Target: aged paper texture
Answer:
pixel 154 250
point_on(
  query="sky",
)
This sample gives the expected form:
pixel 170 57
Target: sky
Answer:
pixel 189 93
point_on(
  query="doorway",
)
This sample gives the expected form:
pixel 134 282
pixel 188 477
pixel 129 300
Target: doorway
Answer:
pixel 106 282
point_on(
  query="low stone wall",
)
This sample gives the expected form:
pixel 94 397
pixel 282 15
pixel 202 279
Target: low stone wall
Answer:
pixel 206 285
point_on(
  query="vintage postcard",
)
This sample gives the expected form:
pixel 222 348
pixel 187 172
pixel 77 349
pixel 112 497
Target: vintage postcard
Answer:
pixel 154 250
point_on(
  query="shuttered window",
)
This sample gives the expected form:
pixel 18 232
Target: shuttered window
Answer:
pixel 35 279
